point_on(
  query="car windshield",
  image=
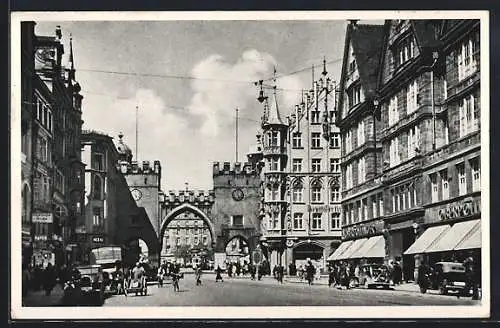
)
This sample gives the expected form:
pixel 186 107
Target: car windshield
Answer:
pixel 88 271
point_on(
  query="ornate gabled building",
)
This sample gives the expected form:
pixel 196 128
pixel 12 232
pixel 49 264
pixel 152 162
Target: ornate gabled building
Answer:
pixel 420 194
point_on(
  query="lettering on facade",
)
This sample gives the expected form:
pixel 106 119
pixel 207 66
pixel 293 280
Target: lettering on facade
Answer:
pixel 324 208
pixel 360 230
pixel 98 240
pixel 42 218
pixel 463 209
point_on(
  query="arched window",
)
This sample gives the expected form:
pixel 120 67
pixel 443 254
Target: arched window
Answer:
pixel 316 191
pixel 97 187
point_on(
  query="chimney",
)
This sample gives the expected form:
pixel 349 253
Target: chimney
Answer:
pixel 157 167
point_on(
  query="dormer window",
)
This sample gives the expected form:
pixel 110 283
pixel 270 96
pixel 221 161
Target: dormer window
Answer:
pixel 354 95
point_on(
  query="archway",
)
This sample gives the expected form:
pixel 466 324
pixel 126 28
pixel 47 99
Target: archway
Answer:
pixel 309 250
pixel 186 233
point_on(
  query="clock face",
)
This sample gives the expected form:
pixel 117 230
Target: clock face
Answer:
pixel 137 194
pixel 238 194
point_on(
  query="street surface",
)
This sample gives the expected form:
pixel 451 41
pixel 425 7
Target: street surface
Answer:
pixel 268 292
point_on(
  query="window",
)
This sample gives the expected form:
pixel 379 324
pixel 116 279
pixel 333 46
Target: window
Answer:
pixel 316 140
pixel 97 187
pixel 316 164
pixel 348 176
pixel 393 110
pixel 404 51
pixel 178 241
pixel 196 241
pixel 445 188
pixel 462 180
pixel 274 164
pixel 297 140
pixel 297 165
pixel 361 133
pixel 297 193
pixel 332 116
pixel 413 141
pixel 476 174
pixel 358 212
pixel 98 162
pixel 334 194
pixel 237 220
pixel 394 158
pixel 273 141
pixel 315 116
pixel 381 204
pixel 59 183
pixel 96 217
pixel 316 192
pixel 335 165
pixel 273 222
pixel 205 240
pixel 469 115
pixel 335 140
pixel 348 141
pixel 298 221
pixel 468 56
pixel 188 240
pixel 354 95
pixel 434 187
pixel 335 220
pixel 361 170
pixel 43 148
pixel 374 207
pixel 411 97
pixel 274 193
pixel 316 221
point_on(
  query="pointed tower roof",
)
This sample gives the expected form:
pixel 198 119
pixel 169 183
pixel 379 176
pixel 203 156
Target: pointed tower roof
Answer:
pixel 271 108
pixel 71 60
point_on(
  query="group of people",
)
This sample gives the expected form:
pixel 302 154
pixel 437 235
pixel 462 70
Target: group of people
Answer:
pixel 41 278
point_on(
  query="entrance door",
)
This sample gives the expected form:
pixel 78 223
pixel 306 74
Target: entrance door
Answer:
pixel 306 251
pixel 408 262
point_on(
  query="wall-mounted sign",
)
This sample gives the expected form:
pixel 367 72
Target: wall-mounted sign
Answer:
pixel 41 237
pixel 362 230
pixel 42 218
pixel 466 207
pixel 98 239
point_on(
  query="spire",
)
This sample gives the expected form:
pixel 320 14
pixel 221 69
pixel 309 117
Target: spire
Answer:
pixel 71 61
pixel 273 111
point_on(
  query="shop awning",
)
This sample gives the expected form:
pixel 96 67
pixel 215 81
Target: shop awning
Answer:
pixel 374 247
pixel 351 250
pixel 452 237
pixel 473 240
pixel 341 249
pixel 426 239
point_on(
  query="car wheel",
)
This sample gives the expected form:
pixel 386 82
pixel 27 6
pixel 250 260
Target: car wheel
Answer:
pixel 442 288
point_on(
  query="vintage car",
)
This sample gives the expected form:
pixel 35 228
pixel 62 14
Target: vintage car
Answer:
pixel 373 276
pixel 449 276
pixel 91 283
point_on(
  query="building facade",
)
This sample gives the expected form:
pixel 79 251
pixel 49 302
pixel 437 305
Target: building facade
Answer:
pixel 425 105
pixel 301 174
pixel 50 145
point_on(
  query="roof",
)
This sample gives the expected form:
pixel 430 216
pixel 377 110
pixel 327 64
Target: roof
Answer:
pixel 366 41
pixel 273 113
pixel 425 33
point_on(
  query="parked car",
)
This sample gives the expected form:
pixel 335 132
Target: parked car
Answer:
pixel 91 284
pixel 449 276
pixel 373 276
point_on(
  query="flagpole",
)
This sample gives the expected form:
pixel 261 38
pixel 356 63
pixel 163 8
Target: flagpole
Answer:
pixel 236 134
pixel 136 132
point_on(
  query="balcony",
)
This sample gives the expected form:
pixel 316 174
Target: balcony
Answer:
pixel 274 150
pixel 446 152
pixel 410 166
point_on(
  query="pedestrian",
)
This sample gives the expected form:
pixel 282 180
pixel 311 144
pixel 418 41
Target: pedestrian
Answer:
pixel 160 275
pixel 238 269
pixel 398 273
pixel 230 270
pixel 175 281
pixel 310 272
pixel 251 268
pixel 470 279
pixel 49 279
pixel 198 276
pixel 331 276
pixel 218 276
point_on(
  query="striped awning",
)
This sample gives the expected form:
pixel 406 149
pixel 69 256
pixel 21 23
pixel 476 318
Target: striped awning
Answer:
pixel 471 241
pixel 452 237
pixel 374 247
pixel 426 239
pixel 341 249
pixel 354 247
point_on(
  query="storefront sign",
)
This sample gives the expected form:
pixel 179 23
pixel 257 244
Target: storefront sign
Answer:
pixel 98 239
pixel 41 238
pixel 42 218
pixel 362 230
pixel 465 208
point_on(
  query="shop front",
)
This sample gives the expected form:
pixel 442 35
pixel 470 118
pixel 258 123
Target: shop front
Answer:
pixel 452 233
pixel 362 244
pixel 401 236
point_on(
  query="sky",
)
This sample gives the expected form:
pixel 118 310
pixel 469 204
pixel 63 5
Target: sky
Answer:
pixel 187 78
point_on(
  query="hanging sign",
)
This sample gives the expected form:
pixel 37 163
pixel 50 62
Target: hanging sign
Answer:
pixel 42 218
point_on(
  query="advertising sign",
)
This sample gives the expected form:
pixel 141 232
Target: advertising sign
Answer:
pixel 461 209
pixel 108 254
pixel 42 218
pixel 98 239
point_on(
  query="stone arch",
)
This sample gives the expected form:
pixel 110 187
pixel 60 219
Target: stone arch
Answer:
pixel 236 236
pixel 189 208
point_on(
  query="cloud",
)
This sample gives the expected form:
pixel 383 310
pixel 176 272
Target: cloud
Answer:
pixel 222 86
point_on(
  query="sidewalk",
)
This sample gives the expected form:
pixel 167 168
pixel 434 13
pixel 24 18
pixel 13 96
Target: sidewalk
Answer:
pixel 38 298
